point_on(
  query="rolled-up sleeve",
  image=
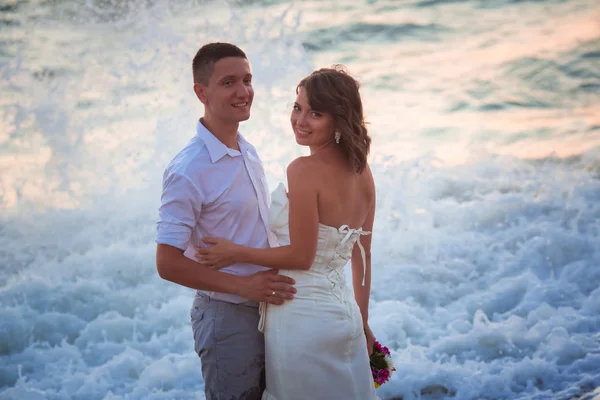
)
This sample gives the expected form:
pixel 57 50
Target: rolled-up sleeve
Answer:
pixel 180 207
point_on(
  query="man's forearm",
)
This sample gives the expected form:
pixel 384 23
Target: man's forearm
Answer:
pixel 173 266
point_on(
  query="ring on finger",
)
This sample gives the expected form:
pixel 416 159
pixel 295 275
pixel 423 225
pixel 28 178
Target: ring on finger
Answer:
pixel 272 293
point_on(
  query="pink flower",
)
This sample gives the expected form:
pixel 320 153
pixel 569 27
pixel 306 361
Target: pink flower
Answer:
pixel 381 367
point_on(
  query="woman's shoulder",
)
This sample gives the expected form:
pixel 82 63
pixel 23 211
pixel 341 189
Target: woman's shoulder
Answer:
pixel 304 172
pixel 302 165
pixel 368 174
pixel 369 181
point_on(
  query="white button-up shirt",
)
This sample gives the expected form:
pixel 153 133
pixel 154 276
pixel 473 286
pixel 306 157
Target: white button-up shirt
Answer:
pixel 210 190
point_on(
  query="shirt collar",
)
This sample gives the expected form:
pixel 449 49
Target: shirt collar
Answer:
pixel 216 148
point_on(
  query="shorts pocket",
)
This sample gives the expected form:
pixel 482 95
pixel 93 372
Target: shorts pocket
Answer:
pixel 198 328
pixel 196 314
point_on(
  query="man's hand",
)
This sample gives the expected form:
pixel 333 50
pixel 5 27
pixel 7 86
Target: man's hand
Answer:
pixel 267 286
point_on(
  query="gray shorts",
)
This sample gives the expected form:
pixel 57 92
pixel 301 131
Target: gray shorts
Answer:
pixel 231 349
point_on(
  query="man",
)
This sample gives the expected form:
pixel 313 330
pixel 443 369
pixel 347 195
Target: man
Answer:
pixel 215 187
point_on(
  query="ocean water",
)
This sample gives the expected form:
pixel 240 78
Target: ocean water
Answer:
pixel 485 118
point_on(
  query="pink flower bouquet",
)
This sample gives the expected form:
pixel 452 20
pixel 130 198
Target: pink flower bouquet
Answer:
pixel 382 365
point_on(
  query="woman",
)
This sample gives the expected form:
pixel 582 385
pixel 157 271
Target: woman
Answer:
pixel 317 345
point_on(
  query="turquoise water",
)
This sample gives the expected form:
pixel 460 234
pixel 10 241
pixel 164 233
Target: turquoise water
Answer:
pixel 486 153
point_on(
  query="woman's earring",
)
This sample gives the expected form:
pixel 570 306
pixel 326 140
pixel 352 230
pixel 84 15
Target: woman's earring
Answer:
pixel 337 137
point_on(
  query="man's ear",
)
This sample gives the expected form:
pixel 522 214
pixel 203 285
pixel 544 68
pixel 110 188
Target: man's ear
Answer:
pixel 200 89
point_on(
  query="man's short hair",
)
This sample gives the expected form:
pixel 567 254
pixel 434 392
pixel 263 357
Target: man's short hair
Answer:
pixel 208 55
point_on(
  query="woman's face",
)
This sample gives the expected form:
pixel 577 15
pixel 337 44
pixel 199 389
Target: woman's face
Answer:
pixel 311 127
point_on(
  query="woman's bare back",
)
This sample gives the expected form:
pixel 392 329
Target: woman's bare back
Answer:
pixel 344 196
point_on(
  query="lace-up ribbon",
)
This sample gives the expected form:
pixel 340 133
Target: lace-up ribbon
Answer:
pixel 349 233
pixel 262 307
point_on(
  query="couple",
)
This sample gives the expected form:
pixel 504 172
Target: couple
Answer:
pixel 277 270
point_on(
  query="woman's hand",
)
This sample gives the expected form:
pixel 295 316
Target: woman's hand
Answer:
pixel 220 255
pixel 370 339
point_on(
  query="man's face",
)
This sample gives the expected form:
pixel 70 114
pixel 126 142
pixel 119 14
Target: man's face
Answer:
pixel 229 93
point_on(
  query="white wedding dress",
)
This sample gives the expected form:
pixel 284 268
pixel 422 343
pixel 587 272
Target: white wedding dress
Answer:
pixel 315 347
